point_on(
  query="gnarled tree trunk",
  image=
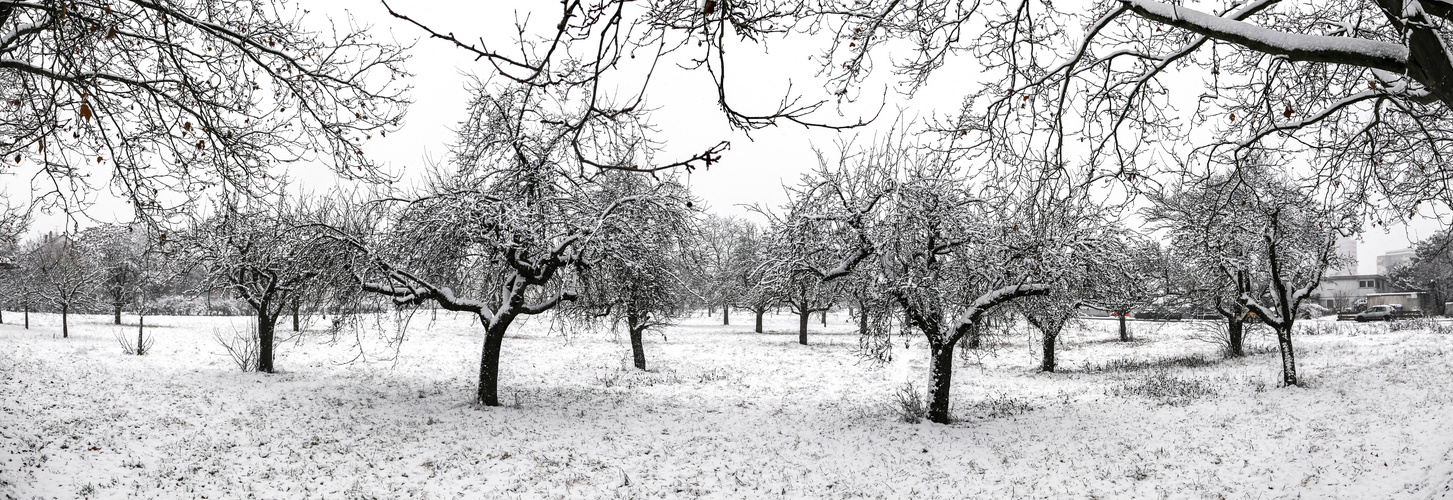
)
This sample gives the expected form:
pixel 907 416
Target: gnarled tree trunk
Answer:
pixel 1288 358
pixel 494 336
pixel 638 348
pixel 940 380
pixel 802 326
pixel 1046 362
pixel 1236 330
pixel 759 320
pixel 265 326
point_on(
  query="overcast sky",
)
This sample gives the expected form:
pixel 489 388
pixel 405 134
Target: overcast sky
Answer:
pixel 752 172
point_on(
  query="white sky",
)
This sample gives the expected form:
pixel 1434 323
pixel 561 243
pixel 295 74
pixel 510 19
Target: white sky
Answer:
pixel 752 172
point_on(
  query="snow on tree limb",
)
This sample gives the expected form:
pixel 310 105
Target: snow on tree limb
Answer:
pixel 1386 56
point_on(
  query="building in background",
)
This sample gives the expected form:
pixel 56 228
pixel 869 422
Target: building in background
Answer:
pixel 1349 291
pixel 1387 262
pixel 1346 247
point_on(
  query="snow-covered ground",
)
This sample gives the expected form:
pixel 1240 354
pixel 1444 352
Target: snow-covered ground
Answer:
pixel 722 412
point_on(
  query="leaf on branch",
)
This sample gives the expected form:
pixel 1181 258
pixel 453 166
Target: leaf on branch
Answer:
pixel 86 111
pixel 111 33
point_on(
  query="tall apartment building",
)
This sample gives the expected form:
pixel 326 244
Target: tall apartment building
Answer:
pixel 1387 262
pixel 1346 247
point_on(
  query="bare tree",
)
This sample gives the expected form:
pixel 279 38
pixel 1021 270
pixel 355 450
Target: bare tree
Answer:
pixel 1132 277
pixel 800 248
pixel 1271 239
pixel 945 257
pixel 13 222
pixel 629 277
pixel 502 232
pixel 720 240
pixel 755 272
pixel 66 275
pixel 266 254
pixel 165 100
pixel 119 251
pixel 1049 314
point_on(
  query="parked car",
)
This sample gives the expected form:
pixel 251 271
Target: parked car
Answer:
pixel 1376 313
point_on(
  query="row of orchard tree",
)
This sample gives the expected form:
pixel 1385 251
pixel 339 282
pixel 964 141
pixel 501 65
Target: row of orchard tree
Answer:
pixel 912 241
pixel 558 197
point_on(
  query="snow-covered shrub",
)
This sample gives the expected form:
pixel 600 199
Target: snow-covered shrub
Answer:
pixel 1311 310
pixel 138 348
pixel 910 405
pixel 244 348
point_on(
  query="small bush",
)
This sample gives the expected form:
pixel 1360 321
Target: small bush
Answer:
pixel 910 406
pixel 134 348
pixel 1166 389
pixel 244 348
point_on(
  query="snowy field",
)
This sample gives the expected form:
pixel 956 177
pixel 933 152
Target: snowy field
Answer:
pixel 722 412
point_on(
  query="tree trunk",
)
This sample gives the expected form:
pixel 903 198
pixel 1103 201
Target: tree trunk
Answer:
pixel 489 361
pixel 65 323
pixel 118 314
pixel 638 348
pixel 141 335
pixel 1237 332
pixel 824 318
pixel 1288 358
pixel 759 320
pixel 27 315
pixel 265 327
pixel 1124 332
pixel 940 378
pixel 726 314
pixel 975 338
pixel 1046 363
pixel 802 327
pixel 2 315
pixel 295 315
pixel 862 321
